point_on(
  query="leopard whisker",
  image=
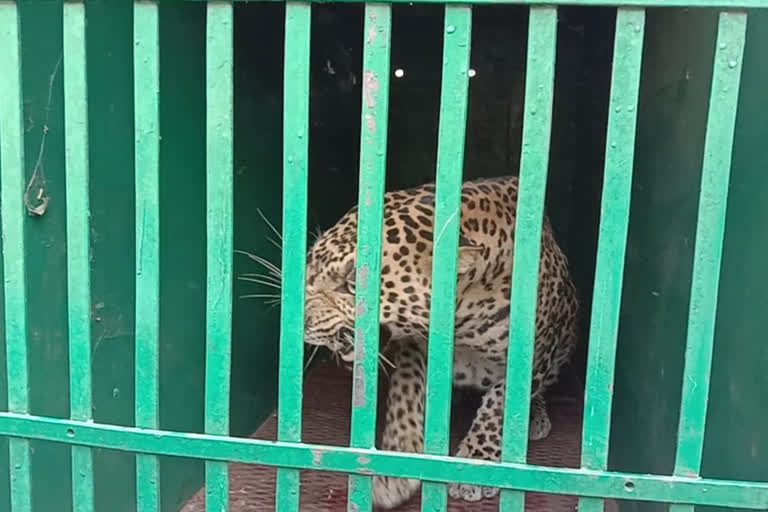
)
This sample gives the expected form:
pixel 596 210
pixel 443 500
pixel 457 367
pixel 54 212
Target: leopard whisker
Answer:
pixel 271 226
pixel 384 368
pixel 271 267
pixel 311 357
pixel 268 277
pixel 259 281
pixel 317 233
pixel 273 242
pixel 260 296
pixel 384 359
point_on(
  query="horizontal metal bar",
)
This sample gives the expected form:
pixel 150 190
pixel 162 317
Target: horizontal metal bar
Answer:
pixel 567 481
pixel 78 243
pixel 12 216
pixel 219 226
pixel 373 159
pixel 722 4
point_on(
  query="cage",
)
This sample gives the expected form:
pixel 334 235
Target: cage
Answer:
pixel 144 153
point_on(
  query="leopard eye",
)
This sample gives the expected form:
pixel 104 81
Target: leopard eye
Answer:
pixel 349 284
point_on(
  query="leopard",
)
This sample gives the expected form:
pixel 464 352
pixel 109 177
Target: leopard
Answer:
pixel 488 214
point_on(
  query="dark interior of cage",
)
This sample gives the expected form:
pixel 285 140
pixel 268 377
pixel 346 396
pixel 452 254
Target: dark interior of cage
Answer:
pixel 492 148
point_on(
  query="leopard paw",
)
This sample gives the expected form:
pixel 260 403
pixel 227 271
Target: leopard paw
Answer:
pixel 540 425
pixel 471 493
pixel 389 492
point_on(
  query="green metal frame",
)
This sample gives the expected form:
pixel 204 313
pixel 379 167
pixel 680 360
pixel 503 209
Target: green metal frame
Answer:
pixel 593 482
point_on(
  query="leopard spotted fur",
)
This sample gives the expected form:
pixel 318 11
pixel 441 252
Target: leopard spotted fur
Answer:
pixel 487 225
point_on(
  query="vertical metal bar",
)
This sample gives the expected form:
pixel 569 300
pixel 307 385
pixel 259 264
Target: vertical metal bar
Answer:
pixel 295 174
pixel 611 248
pixel 219 221
pixel 373 156
pixel 78 244
pixel 12 218
pixel 534 164
pixel 710 231
pixel 450 163
pixel 146 75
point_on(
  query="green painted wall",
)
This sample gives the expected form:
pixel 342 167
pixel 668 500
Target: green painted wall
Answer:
pixel 736 445
pixel 673 112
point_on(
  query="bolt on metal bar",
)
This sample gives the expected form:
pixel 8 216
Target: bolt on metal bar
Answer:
pixel 12 215
pixel 370 211
pixel 146 75
pixel 534 164
pixel 612 242
pixel 219 234
pixel 78 243
pixel 294 243
pixel 457 36
pixel 710 231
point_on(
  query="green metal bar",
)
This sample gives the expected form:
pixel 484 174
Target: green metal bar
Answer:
pixel 611 248
pixel 295 175
pixel 710 231
pixel 534 164
pixel 366 461
pixel 219 219
pixel 757 4
pixel 12 215
pixel 78 244
pixel 450 163
pixel 146 76
pixel 373 159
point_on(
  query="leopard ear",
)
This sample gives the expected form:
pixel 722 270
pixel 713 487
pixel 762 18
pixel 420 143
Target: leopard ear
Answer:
pixel 469 254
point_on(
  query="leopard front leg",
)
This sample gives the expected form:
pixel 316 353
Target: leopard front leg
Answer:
pixel 540 425
pixel 483 441
pixel 404 425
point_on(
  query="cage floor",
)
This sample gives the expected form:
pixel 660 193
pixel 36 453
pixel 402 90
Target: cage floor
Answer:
pixel 326 407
